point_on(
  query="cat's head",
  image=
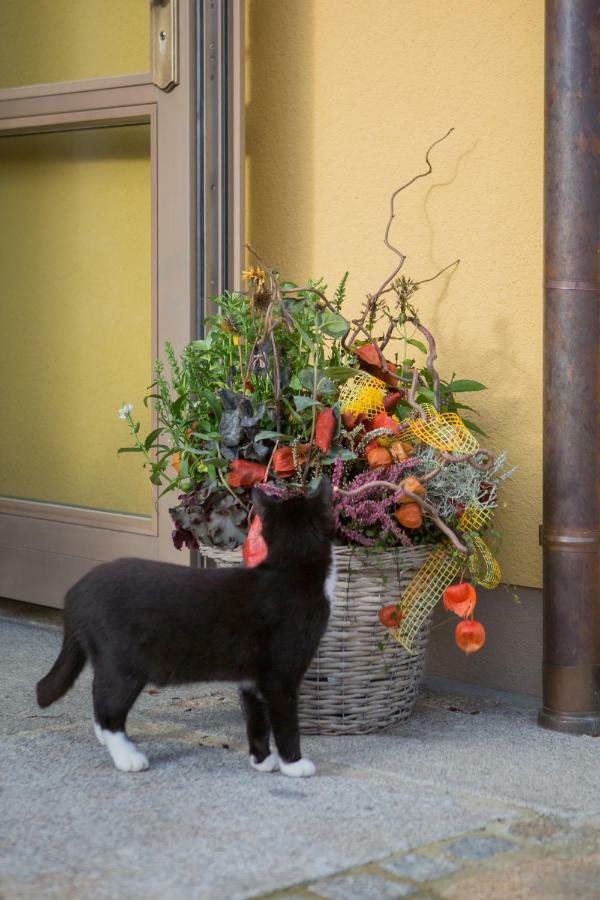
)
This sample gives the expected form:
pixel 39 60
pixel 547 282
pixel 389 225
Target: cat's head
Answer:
pixel 300 526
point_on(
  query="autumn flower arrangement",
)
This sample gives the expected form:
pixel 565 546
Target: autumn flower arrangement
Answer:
pixel 287 387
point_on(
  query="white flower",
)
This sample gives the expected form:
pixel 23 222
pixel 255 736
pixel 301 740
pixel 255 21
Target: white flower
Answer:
pixel 125 410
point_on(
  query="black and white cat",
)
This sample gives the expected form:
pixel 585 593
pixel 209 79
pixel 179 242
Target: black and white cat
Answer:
pixel 141 622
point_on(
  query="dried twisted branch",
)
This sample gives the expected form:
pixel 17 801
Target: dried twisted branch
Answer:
pixel 471 458
pixel 431 358
pixel 437 274
pixel 372 299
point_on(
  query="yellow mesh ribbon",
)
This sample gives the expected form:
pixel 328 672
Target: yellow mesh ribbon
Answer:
pixel 475 517
pixel 483 566
pixel 444 431
pixel 362 394
pixel 423 592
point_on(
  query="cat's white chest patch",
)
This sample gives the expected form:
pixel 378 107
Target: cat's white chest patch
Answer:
pixel 331 580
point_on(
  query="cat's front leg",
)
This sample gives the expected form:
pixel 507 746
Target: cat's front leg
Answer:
pixel 258 728
pixel 283 712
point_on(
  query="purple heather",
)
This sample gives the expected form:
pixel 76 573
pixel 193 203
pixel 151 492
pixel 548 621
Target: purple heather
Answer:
pixel 370 507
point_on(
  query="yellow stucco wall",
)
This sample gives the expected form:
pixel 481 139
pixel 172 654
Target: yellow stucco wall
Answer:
pixel 75 316
pixel 343 98
pixel 62 40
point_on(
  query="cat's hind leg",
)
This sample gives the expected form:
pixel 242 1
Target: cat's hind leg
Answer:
pixel 258 728
pixel 282 702
pixel 114 694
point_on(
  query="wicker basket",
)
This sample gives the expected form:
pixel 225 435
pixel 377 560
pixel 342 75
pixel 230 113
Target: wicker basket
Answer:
pixel 352 685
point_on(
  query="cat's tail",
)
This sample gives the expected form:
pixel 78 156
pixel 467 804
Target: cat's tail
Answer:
pixel 63 673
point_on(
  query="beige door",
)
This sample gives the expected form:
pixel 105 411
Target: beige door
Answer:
pixel 97 270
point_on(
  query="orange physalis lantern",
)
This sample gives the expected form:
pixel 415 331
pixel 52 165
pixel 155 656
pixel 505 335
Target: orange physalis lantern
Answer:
pixel 382 420
pixel 409 515
pixel 243 473
pixel 283 459
pixel 460 599
pixel 390 615
pixel 469 636
pixel 378 456
pixel 255 548
pixel 413 485
pixel 325 429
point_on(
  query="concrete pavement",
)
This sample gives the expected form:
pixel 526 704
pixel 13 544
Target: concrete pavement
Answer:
pixel 469 799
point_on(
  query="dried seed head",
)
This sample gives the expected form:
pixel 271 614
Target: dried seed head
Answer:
pixel 261 299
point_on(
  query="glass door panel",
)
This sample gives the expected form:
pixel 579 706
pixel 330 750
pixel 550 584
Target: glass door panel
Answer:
pixel 75 314
pixel 68 40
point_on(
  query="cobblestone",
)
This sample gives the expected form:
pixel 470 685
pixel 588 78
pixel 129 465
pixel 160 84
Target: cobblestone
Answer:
pixel 421 868
pixel 363 886
pixel 476 847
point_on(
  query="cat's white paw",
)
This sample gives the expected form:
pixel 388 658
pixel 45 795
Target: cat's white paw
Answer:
pixel 302 768
pixel 124 753
pixel 133 762
pixel 99 734
pixel 269 764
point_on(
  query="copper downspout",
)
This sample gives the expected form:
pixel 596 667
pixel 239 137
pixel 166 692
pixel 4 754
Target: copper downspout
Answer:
pixel 571 530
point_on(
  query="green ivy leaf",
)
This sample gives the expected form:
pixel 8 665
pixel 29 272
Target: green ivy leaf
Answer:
pixel 177 405
pixel 464 406
pixel 340 373
pixel 306 377
pixel 207 435
pixel 473 427
pixel 326 387
pixel 424 394
pixel 213 403
pixel 464 385
pixel 304 334
pixel 303 403
pixel 151 438
pixel 273 436
pixel 334 325
pixel 418 344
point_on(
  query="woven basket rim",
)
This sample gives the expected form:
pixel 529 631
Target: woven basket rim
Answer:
pixel 351 550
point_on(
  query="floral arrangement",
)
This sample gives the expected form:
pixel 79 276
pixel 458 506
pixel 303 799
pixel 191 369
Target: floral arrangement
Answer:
pixel 286 387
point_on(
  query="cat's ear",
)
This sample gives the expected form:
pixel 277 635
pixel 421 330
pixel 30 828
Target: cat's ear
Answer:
pixel 323 494
pixel 260 500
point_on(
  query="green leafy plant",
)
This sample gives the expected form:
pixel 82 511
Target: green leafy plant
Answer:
pixel 263 397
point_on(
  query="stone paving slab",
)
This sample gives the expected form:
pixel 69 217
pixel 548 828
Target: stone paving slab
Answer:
pixel 499 753
pixel 200 823
pixel 362 886
pixel 426 810
pixel 421 868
